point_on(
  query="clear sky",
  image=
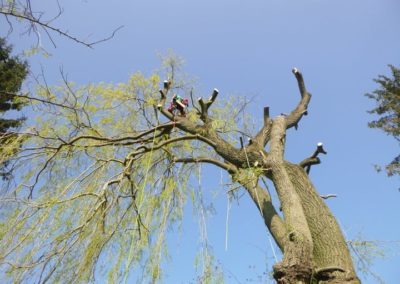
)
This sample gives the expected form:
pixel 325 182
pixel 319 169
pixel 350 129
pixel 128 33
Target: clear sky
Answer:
pixel 248 48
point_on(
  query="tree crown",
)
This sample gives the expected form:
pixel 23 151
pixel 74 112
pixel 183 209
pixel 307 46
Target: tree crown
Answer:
pixel 387 99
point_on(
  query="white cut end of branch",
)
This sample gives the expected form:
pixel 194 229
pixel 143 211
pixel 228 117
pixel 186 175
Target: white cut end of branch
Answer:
pixel 216 90
pixel 320 144
pixel 166 81
pixel 199 99
pixel 295 70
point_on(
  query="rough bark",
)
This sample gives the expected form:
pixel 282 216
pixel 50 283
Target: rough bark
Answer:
pixel 331 257
pixel 313 246
pixel 296 265
pixel 263 201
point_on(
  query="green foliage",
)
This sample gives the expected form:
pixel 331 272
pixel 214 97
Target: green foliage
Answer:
pixel 89 203
pixel 98 187
pixel 12 72
pixel 211 272
pixel 230 120
pixel 387 98
pixel 208 269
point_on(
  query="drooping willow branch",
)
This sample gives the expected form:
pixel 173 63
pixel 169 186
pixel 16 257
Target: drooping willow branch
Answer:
pixel 259 195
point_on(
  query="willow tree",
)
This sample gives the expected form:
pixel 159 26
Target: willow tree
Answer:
pixel 107 169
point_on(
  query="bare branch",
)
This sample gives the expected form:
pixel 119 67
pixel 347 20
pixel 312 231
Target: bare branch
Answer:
pixel 107 38
pixel 266 116
pixel 301 109
pixel 313 160
pixel 172 140
pixel 262 200
pixel 307 163
pixel 203 132
pixel 163 93
pixel 164 128
pixel 26 96
pixel 228 167
pixel 27 15
pixel 263 135
pixel 206 105
pixel 193 104
pixel 31 187
pixel 326 196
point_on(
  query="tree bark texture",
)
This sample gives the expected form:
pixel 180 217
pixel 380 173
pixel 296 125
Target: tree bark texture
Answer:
pixel 313 246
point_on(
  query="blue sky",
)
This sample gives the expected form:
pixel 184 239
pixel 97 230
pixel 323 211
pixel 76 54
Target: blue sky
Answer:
pixel 248 49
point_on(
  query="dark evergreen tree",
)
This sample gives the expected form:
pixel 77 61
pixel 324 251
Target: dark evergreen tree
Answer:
pixel 387 98
pixel 13 71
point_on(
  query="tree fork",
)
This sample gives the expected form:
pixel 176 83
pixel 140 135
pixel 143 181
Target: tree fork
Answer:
pixel 310 238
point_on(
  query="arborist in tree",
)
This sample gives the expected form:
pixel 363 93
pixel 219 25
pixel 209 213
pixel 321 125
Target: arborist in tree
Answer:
pixel 178 103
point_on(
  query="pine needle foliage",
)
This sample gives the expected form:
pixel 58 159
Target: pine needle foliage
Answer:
pixel 13 71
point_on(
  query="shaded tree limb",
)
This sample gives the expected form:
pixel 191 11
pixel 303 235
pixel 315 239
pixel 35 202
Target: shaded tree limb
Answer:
pixel 229 168
pixel 263 136
pixel 26 96
pixel 313 159
pixel 260 197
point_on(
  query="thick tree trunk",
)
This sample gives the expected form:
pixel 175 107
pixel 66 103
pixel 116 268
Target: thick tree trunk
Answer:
pixel 313 246
pixel 331 257
pixel 330 260
pixel 296 266
pixel 314 249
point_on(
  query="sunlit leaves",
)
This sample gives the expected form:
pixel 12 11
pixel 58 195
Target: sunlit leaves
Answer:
pixel 88 196
pixel 99 186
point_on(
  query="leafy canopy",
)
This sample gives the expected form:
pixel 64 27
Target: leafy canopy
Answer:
pixel 387 98
pixel 98 187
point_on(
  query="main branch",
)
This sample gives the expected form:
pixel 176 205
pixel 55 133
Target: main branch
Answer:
pixel 298 244
pixel 301 109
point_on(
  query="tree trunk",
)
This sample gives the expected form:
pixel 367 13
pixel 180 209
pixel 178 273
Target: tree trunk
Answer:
pixel 313 246
pixel 330 261
pixel 331 257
